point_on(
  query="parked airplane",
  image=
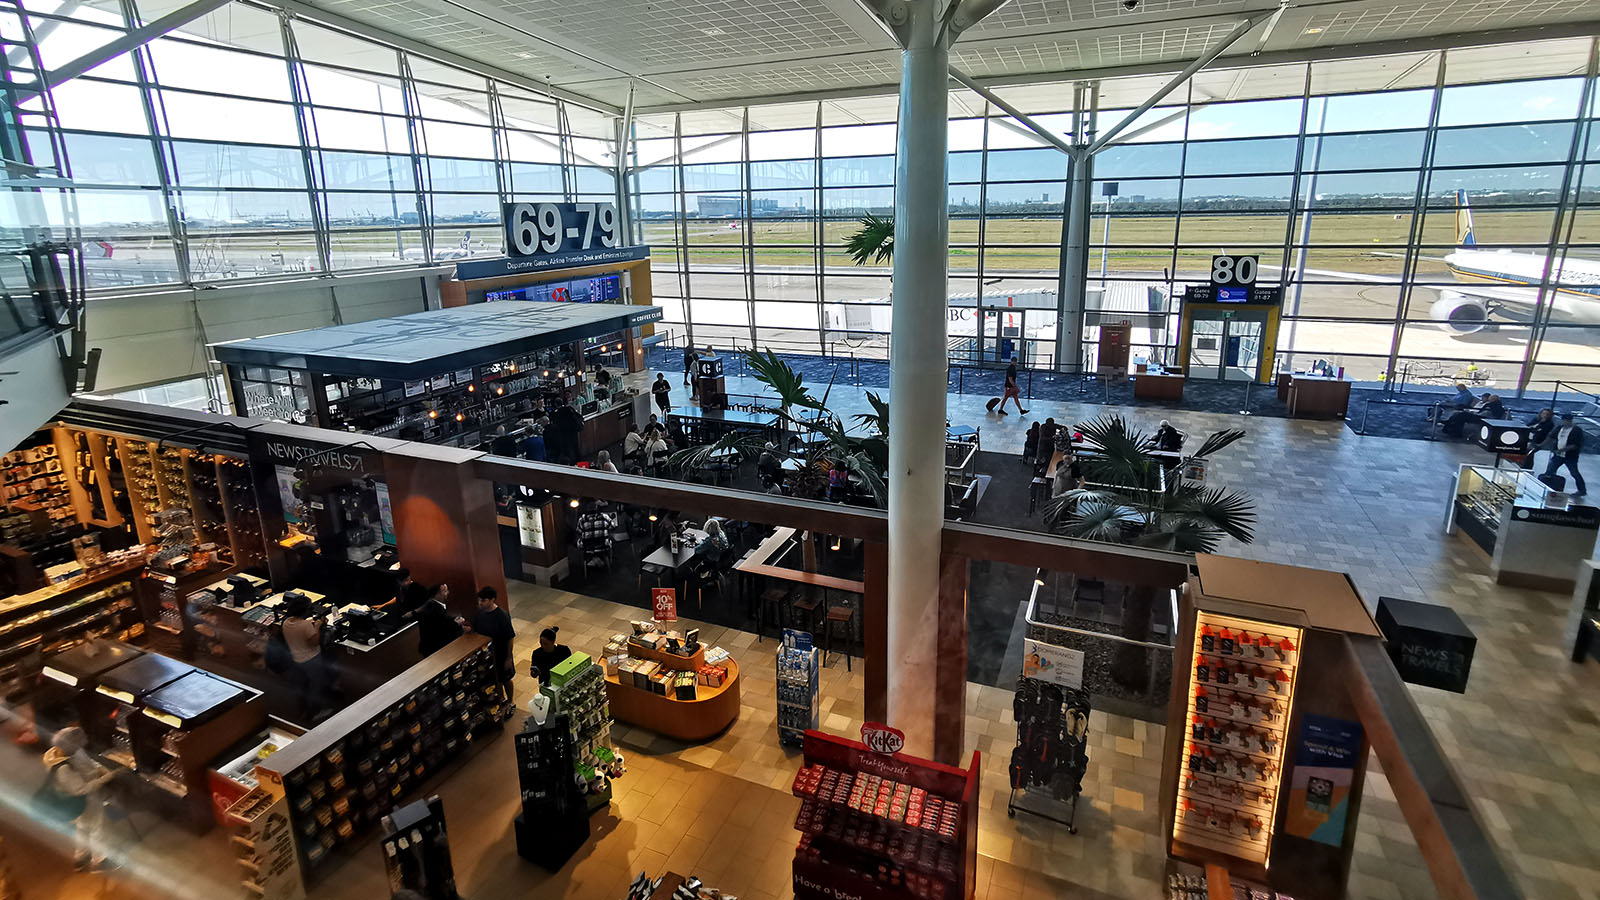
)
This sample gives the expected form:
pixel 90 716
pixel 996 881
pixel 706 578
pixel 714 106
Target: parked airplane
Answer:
pixel 1519 275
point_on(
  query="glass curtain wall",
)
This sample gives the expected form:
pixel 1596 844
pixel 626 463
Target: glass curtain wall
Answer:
pixel 250 145
pixel 1425 215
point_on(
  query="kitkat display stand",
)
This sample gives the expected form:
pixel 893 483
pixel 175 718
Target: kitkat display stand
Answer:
pixel 879 825
pixel 1264 761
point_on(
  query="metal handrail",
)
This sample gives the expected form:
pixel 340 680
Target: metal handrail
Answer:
pixel 1033 598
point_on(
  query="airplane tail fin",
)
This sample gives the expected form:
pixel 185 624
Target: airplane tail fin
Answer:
pixel 1464 221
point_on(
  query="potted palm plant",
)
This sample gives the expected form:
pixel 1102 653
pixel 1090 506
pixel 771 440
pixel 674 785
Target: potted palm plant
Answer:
pixel 863 457
pixel 1128 499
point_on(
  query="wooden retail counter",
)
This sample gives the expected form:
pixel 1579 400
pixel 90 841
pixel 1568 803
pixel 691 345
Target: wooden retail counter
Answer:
pixel 1149 386
pixel 605 428
pixel 712 710
pixel 1314 396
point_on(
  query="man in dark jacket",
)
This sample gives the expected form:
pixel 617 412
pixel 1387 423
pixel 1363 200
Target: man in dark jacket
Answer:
pixel 436 625
pixel 494 623
pixel 1566 445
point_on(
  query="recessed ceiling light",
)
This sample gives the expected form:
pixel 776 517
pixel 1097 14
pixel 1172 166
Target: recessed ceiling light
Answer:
pixel 1313 31
pixel 712 32
pixel 524 56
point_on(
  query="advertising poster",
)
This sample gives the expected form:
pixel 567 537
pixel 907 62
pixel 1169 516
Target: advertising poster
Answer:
pixel 1319 789
pixel 664 601
pixel 1049 663
pixel 385 512
pixel 286 480
pixel 530 524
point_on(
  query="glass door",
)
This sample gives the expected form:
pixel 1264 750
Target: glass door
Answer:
pixel 1243 346
pixel 1206 340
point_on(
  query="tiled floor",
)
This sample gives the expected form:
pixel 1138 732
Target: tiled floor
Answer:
pixel 1525 738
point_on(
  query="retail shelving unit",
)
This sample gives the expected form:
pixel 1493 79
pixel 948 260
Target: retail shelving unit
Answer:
pixel 1239 693
pixel 883 826
pixel 799 680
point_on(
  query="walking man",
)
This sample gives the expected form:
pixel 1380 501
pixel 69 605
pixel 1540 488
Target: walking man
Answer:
pixel 1566 446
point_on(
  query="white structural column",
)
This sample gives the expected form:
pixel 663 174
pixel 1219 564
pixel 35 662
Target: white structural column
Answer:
pixel 918 377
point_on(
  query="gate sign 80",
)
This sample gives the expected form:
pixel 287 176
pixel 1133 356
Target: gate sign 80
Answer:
pixel 1234 271
pixel 540 229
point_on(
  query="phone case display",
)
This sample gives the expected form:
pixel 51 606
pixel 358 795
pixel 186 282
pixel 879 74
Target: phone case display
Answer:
pixel 578 691
pixel 1052 752
pixel 343 775
pixel 799 676
pixel 877 825
pixel 554 821
pixel 269 867
pixel 416 850
pixel 1240 694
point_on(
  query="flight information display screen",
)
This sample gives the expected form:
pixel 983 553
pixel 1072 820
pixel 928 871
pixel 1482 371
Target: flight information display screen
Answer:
pixel 599 289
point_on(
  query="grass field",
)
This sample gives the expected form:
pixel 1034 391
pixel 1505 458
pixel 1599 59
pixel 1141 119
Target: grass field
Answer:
pixel 1366 243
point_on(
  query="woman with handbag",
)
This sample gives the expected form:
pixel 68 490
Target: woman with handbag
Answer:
pixel 72 793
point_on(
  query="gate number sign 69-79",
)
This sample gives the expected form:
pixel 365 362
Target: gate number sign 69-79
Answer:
pixel 535 229
pixel 1234 271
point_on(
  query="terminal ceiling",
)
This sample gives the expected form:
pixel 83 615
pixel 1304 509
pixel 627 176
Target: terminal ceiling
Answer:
pixel 698 53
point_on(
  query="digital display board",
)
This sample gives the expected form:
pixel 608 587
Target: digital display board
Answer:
pixel 599 289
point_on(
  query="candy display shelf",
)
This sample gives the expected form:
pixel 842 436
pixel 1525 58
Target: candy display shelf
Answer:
pixel 883 825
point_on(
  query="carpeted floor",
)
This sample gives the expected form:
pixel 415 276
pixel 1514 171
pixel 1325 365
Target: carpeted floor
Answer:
pixel 820 371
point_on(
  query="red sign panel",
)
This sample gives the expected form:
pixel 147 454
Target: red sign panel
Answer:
pixel 664 601
pixel 880 738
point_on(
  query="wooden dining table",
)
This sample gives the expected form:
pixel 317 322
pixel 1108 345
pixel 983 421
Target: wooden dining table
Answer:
pixel 664 557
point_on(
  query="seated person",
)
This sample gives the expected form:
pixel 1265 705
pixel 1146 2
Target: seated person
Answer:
pixel 768 466
pixel 655 449
pixel 1463 398
pixel 654 425
pixel 603 463
pixel 1030 443
pixel 1168 438
pixel 716 542
pixel 632 444
pixel 1487 407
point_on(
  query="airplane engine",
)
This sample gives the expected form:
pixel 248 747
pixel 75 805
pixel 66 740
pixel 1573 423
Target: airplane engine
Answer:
pixel 1461 313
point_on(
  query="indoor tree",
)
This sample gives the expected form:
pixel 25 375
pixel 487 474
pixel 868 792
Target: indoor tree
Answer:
pixel 864 457
pixel 1128 501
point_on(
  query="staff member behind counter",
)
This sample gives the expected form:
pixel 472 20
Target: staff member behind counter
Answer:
pixel 408 597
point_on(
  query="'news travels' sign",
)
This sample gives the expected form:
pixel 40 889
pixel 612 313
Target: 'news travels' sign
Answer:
pixel 1428 643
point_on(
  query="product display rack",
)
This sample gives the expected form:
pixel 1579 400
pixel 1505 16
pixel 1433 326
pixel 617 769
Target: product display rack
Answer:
pixel 65 615
pixel 165 722
pixel 799 680
pixel 681 695
pixel 342 776
pixel 1052 754
pixel 577 691
pixel 883 826
pixel 554 821
pixel 1240 693
pixel 269 867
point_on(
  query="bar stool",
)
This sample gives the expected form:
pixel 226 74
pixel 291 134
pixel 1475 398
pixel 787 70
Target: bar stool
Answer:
pixel 839 615
pixel 805 607
pixel 772 599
